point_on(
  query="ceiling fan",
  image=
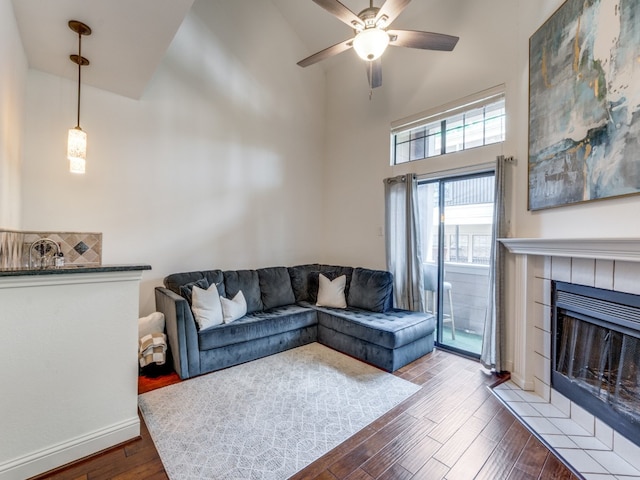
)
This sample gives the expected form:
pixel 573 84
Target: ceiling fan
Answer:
pixel 372 37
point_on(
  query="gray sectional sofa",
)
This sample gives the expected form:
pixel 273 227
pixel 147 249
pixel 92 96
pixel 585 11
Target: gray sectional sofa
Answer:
pixel 282 314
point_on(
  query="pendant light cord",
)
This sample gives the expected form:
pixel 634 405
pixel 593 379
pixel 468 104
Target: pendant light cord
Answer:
pixel 79 74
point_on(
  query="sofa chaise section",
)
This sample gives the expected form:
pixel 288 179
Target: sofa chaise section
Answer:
pixel 388 340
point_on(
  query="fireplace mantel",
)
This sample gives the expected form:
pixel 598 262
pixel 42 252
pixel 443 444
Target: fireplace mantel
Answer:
pixel 525 302
pixel 624 249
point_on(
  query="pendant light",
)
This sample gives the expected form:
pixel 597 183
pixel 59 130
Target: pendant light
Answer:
pixel 77 140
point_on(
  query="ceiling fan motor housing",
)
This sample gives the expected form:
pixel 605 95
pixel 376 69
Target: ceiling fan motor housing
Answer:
pixel 368 17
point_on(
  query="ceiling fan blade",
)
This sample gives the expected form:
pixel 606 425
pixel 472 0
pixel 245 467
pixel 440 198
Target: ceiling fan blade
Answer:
pixel 326 53
pixel 391 9
pixel 374 73
pixel 334 7
pixel 424 40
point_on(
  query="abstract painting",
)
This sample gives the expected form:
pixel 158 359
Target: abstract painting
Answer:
pixel 584 104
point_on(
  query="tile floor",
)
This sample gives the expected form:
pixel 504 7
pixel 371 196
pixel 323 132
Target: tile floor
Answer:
pixel 585 445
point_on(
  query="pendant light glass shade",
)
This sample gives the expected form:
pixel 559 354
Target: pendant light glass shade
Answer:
pixel 77 150
pixel 370 43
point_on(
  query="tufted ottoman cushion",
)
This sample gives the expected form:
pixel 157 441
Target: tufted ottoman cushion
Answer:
pixel 391 329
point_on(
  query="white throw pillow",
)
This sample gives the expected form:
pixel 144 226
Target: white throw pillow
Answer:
pixel 153 323
pixel 206 306
pixel 331 292
pixel 235 308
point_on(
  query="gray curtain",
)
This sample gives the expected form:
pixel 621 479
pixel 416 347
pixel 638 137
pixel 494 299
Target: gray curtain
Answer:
pixel 493 337
pixel 403 245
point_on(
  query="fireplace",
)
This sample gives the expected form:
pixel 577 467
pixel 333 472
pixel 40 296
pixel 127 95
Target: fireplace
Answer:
pixel 596 353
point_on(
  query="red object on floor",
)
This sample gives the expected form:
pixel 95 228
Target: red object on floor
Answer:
pixel 146 384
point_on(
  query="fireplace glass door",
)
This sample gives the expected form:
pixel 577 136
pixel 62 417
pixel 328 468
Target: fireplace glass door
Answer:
pixel 602 361
pixel 597 361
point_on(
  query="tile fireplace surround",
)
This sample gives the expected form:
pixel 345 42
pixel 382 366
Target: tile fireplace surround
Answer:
pixel 612 264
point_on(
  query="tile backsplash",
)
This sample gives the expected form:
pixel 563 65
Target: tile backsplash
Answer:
pixel 78 248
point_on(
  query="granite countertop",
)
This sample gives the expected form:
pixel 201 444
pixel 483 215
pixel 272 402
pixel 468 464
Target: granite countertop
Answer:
pixel 14 272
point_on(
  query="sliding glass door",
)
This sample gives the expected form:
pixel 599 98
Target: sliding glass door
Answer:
pixel 457 227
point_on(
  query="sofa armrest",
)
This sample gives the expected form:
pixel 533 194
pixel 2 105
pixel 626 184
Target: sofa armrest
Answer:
pixel 181 332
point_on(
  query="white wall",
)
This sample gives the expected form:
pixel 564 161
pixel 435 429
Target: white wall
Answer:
pixel 13 74
pixel 493 49
pixel 358 146
pixel 235 157
pixel 219 165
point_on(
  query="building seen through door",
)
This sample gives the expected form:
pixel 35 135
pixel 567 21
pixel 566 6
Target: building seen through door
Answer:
pixel 456 217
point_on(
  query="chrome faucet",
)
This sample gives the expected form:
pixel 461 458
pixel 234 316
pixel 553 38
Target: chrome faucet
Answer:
pixel 47 251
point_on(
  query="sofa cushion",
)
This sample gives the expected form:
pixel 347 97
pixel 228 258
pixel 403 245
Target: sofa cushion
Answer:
pixel 391 329
pixel 275 287
pixel 371 290
pixel 331 272
pixel 186 290
pixel 247 281
pixel 300 280
pixel 258 325
pixel 174 281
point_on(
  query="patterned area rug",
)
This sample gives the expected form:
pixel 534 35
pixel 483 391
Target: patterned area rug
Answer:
pixel 269 418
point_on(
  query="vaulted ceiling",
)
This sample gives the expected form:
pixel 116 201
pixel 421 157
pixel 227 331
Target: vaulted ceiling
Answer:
pixel 130 37
pixel 128 41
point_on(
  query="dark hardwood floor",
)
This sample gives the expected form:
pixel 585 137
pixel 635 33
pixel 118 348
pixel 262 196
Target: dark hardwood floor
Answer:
pixel 453 428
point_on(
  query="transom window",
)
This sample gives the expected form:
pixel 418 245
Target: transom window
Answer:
pixel 475 124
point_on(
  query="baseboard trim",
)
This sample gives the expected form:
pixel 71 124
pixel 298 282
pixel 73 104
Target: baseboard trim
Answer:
pixel 522 383
pixel 69 451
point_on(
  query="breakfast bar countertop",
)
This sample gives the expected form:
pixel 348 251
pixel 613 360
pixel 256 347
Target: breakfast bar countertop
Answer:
pixel 70 268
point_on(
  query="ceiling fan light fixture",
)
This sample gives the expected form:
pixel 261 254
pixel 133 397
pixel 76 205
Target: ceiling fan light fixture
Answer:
pixel 371 37
pixel 370 43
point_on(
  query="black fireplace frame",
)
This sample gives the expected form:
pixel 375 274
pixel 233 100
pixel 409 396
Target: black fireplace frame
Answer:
pixel 594 305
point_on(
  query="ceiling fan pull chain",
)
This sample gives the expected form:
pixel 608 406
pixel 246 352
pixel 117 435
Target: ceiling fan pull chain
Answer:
pixel 370 72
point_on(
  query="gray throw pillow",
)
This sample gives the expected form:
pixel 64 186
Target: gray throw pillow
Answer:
pixel 300 280
pixel 186 290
